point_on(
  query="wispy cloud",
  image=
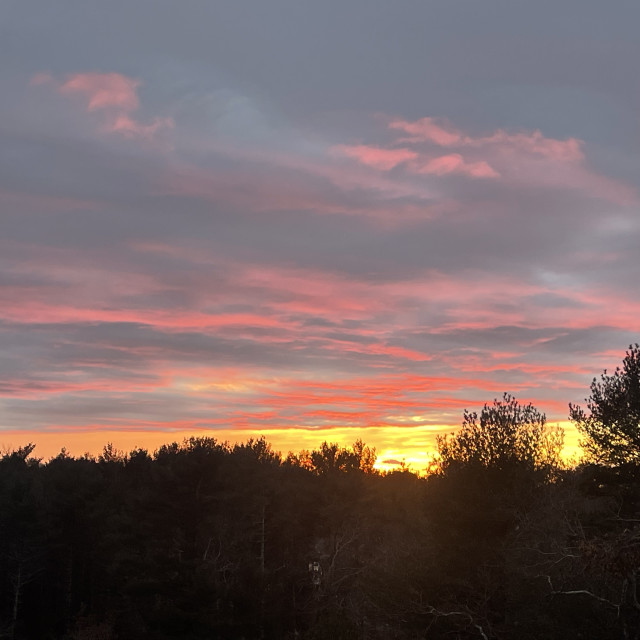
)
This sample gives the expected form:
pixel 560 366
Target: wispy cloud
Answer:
pixel 384 159
pixel 114 96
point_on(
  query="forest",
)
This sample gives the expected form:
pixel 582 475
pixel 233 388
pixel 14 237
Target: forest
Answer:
pixel 499 538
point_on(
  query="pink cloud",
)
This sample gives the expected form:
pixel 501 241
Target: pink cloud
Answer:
pixel 283 297
pixel 562 174
pixel 426 129
pixel 444 135
pixel 393 319
pixel 30 312
pixel 524 157
pixel 130 128
pixel 520 158
pixel 399 353
pixel 383 159
pixel 483 362
pixel 569 150
pixel 114 95
pixel 104 90
pixel 455 163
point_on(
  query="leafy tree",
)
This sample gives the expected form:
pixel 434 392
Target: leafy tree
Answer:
pixel 611 427
pixel 505 435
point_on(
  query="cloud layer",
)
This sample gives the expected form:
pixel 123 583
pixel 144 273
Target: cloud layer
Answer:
pixel 191 245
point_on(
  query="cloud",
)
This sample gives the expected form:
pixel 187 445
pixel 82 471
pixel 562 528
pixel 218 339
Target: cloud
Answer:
pixel 455 163
pixel 518 159
pixel 387 159
pixel 569 150
pixel 383 159
pixel 104 90
pixel 427 129
pixel 114 96
pixel 446 135
pixel 268 274
pixel 130 128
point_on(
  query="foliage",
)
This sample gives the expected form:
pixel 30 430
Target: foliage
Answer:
pixel 505 435
pixel 611 424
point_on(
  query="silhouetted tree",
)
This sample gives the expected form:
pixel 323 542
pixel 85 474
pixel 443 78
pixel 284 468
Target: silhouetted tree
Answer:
pixel 20 535
pixel 504 435
pixel 366 455
pixel 331 457
pixel 202 540
pixel 611 427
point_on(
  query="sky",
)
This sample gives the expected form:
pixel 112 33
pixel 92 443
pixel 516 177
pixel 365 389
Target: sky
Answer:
pixel 311 220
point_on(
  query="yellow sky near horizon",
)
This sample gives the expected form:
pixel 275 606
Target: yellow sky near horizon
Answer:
pixel 414 445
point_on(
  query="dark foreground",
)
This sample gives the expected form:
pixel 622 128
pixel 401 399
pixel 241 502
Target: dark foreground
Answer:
pixel 202 540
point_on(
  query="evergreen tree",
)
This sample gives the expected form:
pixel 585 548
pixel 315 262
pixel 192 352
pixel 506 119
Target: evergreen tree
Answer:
pixel 611 425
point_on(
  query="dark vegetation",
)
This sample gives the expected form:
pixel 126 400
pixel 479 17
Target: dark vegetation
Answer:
pixel 206 540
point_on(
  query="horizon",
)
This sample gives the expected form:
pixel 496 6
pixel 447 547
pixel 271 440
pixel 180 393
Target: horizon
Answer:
pixel 414 455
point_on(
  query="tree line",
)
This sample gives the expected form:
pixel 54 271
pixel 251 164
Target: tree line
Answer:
pixel 203 539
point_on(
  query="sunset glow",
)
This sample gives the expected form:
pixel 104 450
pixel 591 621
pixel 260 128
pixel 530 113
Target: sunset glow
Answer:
pixel 200 235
